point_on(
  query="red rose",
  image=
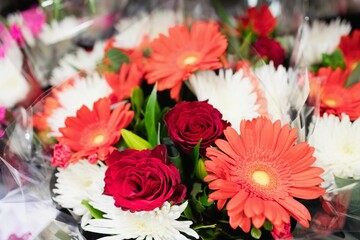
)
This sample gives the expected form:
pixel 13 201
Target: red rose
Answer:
pixel 61 155
pixel 188 122
pixel 142 180
pixel 260 20
pixel 271 49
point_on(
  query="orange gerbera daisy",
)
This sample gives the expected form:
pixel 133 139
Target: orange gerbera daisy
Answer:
pixel 93 132
pixel 177 56
pixel 122 84
pixel 260 172
pixel 350 47
pixel 334 97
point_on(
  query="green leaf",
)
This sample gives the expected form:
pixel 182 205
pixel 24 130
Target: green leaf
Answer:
pixel 354 77
pixel 197 206
pixel 150 118
pixel 200 169
pixel 134 141
pixel 245 47
pixel 334 60
pixel 116 58
pixel 255 233
pixel 97 214
pixel 204 200
pixel 188 212
pixel 137 101
pixel 268 225
pixel 194 154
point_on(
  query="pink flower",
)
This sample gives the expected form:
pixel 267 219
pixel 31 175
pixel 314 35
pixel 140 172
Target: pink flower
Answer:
pixel 280 234
pixel 61 155
pixel 17 35
pixel 34 19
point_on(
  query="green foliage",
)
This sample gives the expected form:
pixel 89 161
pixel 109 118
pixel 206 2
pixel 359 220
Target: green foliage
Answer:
pixel 354 77
pixel 116 58
pixel 134 141
pixel 152 113
pixel 255 233
pixel 334 60
pixel 97 214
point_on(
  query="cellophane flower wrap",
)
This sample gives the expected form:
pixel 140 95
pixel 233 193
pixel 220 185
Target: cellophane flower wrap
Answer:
pixel 194 121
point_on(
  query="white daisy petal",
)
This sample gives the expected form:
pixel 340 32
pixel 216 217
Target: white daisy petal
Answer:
pixel 275 84
pixel 84 91
pixel 160 223
pixel 13 86
pixel 336 144
pixel 133 30
pixel 319 38
pixel 79 182
pixel 72 63
pixel 232 94
pixel 67 28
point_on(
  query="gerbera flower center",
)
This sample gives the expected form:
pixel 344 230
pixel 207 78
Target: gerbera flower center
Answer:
pixel 331 102
pixel 98 139
pixel 261 177
pixel 189 58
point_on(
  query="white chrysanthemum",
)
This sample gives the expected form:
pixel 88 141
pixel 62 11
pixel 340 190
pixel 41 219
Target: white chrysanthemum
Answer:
pixel 84 91
pixel 71 63
pixel 319 38
pixel 158 224
pixel 232 94
pixel 336 144
pixel 133 30
pixel 67 28
pixel 13 86
pixel 79 182
pixel 275 84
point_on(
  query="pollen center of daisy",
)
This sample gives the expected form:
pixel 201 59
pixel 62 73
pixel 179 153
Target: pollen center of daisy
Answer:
pixel 99 139
pixel 261 177
pixel 190 60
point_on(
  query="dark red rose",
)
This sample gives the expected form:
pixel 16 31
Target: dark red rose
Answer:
pixel 142 180
pixel 260 20
pixel 188 122
pixel 270 49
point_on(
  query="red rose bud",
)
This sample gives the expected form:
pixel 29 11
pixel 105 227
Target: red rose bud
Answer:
pixel 270 49
pixel 188 122
pixel 282 234
pixel 260 20
pixel 61 156
pixel 142 180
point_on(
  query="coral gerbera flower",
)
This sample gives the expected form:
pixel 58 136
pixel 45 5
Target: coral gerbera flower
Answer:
pixel 260 20
pixel 93 132
pixel 123 82
pixel 350 47
pixel 335 98
pixel 177 56
pixel 260 172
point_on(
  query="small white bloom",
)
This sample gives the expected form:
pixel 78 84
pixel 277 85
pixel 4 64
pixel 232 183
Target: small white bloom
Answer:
pixel 79 182
pixel 336 144
pixel 67 28
pixel 321 38
pixel 133 30
pixel 158 224
pixel 84 91
pixel 72 63
pixel 232 94
pixel 13 86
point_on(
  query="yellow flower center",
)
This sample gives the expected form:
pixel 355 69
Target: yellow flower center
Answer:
pixel 99 139
pixel 261 177
pixel 331 102
pixel 190 60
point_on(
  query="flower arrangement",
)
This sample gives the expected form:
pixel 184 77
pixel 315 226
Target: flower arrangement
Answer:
pixel 198 129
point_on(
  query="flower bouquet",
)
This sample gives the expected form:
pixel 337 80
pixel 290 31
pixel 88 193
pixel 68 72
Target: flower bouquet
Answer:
pixel 186 128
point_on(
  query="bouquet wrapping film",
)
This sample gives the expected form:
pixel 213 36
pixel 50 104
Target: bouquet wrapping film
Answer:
pixel 28 179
